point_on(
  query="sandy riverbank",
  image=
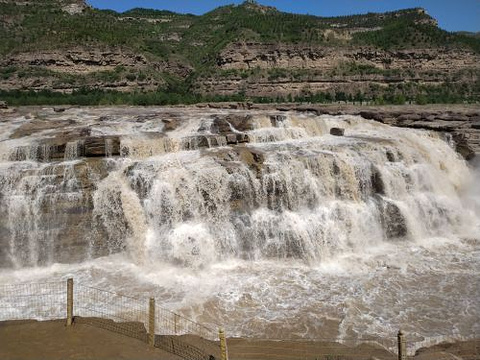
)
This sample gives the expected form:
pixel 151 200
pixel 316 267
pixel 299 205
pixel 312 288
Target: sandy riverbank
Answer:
pixel 31 340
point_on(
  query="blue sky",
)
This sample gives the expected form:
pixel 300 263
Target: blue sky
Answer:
pixel 453 15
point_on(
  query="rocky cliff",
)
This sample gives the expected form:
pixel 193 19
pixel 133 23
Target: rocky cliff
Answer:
pixel 272 70
pixel 246 56
pixel 246 50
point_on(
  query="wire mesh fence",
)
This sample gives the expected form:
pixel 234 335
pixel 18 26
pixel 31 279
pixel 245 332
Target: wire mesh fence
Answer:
pixel 465 347
pixel 324 349
pixel 43 301
pixel 142 319
pixel 170 323
pixel 130 316
pixel 185 349
pixel 125 315
pixel 110 311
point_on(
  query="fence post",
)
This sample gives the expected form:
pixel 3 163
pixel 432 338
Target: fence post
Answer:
pixel 175 321
pixel 151 323
pixel 223 345
pixel 69 302
pixel 402 346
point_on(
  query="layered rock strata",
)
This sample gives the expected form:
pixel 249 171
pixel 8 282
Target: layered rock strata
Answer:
pixel 310 69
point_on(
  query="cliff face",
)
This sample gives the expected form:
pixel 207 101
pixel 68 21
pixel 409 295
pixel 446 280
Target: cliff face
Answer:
pixel 268 56
pixel 71 7
pixel 348 70
pixel 77 61
pixel 64 70
pixel 74 6
pixel 107 68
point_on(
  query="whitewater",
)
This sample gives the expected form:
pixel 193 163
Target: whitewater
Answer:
pixel 293 234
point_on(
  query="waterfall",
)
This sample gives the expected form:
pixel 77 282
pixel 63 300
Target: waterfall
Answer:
pixel 34 196
pixel 230 216
pixel 293 191
pixel 73 150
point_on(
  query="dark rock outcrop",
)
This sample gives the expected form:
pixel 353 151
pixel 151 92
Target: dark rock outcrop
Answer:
pixel 337 131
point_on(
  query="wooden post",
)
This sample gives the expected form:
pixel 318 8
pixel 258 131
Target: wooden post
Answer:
pixel 175 322
pixel 69 302
pixel 223 345
pixel 402 346
pixel 151 323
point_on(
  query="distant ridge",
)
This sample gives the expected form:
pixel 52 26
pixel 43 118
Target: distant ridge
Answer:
pixel 245 51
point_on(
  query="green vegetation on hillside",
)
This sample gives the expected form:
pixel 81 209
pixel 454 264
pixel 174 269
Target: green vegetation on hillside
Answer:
pixel 46 26
pixel 402 34
pixel 449 93
pixel 196 42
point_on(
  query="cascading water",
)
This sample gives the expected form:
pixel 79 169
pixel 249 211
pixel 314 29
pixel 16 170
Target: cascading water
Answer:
pixel 263 222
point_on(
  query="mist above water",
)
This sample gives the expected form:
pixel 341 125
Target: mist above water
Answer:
pixel 296 234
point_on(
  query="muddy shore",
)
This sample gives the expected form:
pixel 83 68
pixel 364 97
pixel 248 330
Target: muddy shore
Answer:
pixel 32 340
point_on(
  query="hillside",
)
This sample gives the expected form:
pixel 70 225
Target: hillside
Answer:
pixel 239 52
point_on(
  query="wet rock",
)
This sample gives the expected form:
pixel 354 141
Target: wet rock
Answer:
pixel 337 131
pixel 242 138
pixel 105 118
pixel 232 139
pixel 101 146
pixel 463 146
pixel 253 158
pixel 409 117
pixel 378 185
pixel 68 148
pixel 200 141
pixel 59 109
pixel 170 124
pixel 462 123
pixel 390 156
pixel 278 120
pixel 370 115
pixel 226 124
pixel 67 209
pixel 393 221
pixel 3 105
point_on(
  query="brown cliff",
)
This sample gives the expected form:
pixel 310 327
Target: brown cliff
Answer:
pixel 253 68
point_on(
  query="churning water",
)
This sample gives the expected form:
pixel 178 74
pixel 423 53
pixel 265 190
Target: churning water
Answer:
pixel 291 233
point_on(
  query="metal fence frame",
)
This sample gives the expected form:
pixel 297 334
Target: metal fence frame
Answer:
pixel 135 317
pixel 140 318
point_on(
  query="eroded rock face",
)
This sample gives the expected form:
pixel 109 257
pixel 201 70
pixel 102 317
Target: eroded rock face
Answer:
pixel 323 59
pixel 79 60
pixel 74 7
pixel 242 56
pixel 333 69
pixel 120 69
